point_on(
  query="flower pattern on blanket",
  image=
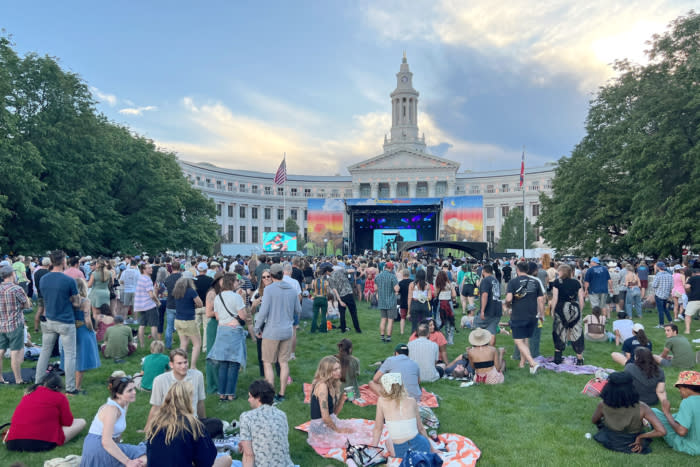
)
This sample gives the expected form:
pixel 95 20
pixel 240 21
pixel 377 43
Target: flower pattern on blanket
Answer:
pixel 367 397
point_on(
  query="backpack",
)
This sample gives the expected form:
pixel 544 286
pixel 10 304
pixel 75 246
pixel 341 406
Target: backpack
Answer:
pixel 420 459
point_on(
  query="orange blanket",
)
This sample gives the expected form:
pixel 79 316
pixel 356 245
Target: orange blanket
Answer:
pixel 367 397
pixel 459 450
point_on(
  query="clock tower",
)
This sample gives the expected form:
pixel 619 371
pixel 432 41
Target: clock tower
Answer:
pixel 404 114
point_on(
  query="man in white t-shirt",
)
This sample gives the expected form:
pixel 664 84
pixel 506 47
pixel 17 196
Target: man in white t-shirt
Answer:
pixel 622 327
pixel 425 353
pixel 179 372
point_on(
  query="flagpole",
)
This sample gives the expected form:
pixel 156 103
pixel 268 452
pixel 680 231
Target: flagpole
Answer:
pixel 522 187
pixel 284 194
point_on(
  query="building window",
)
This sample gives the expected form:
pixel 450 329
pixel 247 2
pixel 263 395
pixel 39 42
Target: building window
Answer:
pixel 230 210
pixel 440 188
pixel 254 189
pixel 241 238
pixel 268 190
pixel 218 184
pixel 307 192
pixel 306 214
pixel 209 183
pixel 335 194
pixel 280 228
pixel 229 186
pixel 268 214
pixel 254 234
pixel 383 190
pixel 242 188
pixel 293 192
pixel 280 215
pixel 535 210
pixel 218 209
pixel 421 189
pixel 490 189
pixel 280 191
pixel 348 193
pixel 322 193
pixel 505 188
pixel 535 186
pixel 402 189
pixel 241 212
pixel 490 234
pixel 505 210
pixel 365 190
pixel 293 214
pixel 254 213
pixel 474 190
pixel 267 229
pixel 489 212
pixel 548 184
pixel 230 233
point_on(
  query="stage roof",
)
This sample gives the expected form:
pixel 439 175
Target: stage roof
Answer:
pixel 478 250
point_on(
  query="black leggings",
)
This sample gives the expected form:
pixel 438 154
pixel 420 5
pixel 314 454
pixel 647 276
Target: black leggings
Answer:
pixel 29 445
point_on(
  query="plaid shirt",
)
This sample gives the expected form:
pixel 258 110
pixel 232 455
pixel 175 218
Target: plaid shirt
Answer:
pixel 386 296
pixel 663 283
pixel 12 302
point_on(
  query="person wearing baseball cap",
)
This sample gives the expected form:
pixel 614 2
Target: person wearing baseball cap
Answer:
pixel 597 283
pixel 399 363
pixel 683 429
pixel 638 339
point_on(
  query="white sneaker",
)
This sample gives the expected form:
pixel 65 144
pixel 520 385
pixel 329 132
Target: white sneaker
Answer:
pixel 533 369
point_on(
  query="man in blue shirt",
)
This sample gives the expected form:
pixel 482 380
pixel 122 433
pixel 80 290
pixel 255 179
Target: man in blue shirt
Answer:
pixel 597 284
pixel 662 285
pixel 60 299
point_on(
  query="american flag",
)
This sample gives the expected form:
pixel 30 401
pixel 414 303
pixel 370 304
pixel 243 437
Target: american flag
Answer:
pixel 281 175
pixel 522 170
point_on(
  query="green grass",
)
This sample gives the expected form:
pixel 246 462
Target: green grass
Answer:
pixel 538 420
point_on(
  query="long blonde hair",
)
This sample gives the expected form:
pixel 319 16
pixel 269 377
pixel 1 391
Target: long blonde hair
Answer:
pixel 175 416
pixel 324 374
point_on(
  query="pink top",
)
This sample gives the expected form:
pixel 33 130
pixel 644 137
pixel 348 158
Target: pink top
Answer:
pixel 678 285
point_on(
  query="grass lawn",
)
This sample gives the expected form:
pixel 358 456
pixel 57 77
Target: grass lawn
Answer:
pixel 530 420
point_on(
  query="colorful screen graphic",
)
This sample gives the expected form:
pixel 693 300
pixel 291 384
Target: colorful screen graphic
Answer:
pixel 409 235
pixel 279 241
pixel 462 219
pixel 325 226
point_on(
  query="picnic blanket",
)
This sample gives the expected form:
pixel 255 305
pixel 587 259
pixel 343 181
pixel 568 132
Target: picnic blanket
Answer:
pixel 460 451
pixel 367 397
pixel 568 365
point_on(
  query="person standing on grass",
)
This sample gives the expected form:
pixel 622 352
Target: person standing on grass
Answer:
pixel 342 290
pixel 526 298
pixel 597 284
pixel 567 309
pixel 146 304
pixel 170 307
pixel 491 308
pixel 13 301
pixel 60 299
pixel 662 285
pixel 320 288
pixel 692 289
pixel 129 278
pixel 387 288
pixel 274 324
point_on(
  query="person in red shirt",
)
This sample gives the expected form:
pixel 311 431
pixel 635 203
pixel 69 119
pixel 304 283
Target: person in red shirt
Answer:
pixel 43 419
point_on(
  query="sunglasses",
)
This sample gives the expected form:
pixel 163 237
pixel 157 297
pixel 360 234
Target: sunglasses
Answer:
pixel 267 277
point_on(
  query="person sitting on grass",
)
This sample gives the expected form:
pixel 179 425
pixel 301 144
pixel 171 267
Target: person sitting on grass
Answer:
pixel 349 366
pixel 118 341
pixel 400 414
pixel 622 328
pixel 639 338
pixel 177 437
pixel 105 320
pixel 154 364
pixel 435 336
pixel 680 350
pixel 43 419
pixel 683 430
pixel 648 378
pixel 620 417
pixel 399 363
pixel 486 359
pixel 594 326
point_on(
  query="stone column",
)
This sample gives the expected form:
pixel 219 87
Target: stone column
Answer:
pixel 412 189
pixel 450 188
pixel 431 188
pixel 392 189
pixel 374 190
pixel 355 190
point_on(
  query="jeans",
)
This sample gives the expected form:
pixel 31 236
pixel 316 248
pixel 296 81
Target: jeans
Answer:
pixel 320 307
pixel 228 378
pixel 50 330
pixel 169 327
pixel 419 444
pixel 661 309
pixel 633 301
pixel 349 301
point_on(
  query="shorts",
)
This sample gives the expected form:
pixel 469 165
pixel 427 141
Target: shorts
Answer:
pixel 665 362
pixel 276 351
pixel 403 312
pixel 40 302
pixel 598 299
pixel 148 317
pixel 128 298
pixel 296 320
pixel 614 298
pixel 391 313
pixel 693 308
pixel 676 294
pixel 644 283
pixel 523 328
pixel 13 340
pixel 489 323
pixel 468 290
pixel 187 328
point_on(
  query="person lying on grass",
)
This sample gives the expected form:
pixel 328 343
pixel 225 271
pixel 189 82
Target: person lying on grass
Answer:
pixel 620 417
pixel 683 430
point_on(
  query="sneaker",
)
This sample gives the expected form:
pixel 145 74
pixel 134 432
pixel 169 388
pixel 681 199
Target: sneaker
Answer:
pixel 292 357
pixel 387 339
pixel 119 360
pixel 579 362
pixel 533 369
pixel 659 326
pixel 383 338
pixel 289 380
pixel 76 392
pixel 279 398
pixel 677 319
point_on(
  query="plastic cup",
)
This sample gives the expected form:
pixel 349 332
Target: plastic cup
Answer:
pixel 350 391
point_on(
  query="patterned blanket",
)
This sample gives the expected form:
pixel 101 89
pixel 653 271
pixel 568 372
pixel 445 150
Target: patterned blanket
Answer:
pixel 367 397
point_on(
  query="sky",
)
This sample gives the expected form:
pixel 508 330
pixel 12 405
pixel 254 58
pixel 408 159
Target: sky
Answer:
pixel 240 83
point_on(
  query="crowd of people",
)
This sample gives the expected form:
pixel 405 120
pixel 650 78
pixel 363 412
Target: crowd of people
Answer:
pixel 213 306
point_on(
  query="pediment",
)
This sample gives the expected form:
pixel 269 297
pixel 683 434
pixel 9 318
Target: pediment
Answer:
pixel 403 160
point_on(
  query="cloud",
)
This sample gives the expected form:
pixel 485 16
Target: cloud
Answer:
pixel 137 111
pixel 110 99
pixel 559 36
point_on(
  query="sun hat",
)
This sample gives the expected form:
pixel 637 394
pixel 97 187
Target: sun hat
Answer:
pixel 202 266
pixel 688 378
pixel 479 337
pixel 214 263
pixel 612 264
pixel 638 327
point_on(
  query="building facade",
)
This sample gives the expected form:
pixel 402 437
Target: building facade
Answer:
pixel 249 203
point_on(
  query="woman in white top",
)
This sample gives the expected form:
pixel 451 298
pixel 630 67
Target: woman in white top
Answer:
pixel 402 418
pixel 419 296
pixel 446 293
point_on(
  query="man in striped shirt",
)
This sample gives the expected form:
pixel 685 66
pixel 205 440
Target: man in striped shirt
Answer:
pixel 663 283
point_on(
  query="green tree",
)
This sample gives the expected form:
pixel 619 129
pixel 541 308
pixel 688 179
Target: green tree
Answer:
pixel 290 225
pixel 630 186
pixel 512 231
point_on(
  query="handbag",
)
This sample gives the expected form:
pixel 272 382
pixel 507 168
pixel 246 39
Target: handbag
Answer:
pixel 364 455
pixel 238 318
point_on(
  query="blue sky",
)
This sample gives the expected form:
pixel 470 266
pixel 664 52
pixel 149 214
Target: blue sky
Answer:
pixel 237 84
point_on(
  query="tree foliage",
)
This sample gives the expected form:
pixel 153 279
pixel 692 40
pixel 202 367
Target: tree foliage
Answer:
pixel 73 180
pixel 630 186
pixel 290 225
pixel 512 231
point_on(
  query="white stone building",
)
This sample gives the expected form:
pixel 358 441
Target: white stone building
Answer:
pixel 249 203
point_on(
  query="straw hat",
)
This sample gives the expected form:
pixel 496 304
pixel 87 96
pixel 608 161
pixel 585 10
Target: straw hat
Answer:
pixel 479 337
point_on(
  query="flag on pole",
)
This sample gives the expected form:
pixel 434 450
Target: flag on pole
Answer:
pixel 281 175
pixel 522 170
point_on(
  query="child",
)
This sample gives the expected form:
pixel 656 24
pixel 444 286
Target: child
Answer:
pixel 153 365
